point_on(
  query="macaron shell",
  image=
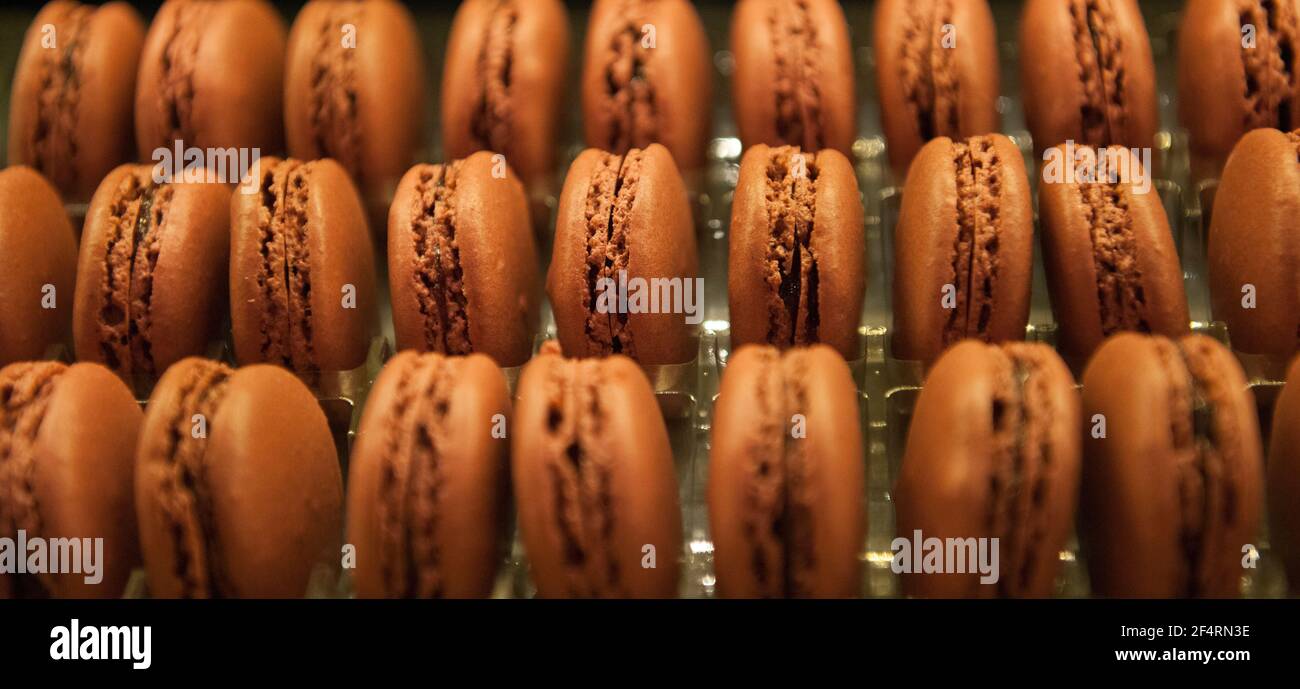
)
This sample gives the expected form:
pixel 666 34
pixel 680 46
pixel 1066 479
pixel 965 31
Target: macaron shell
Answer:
pixel 1284 476
pixel 841 253
pixel 566 278
pixel 92 267
pixel 748 237
pixel 83 479
pixel 1210 68
pixel 247 298
pixel 37 248
pixel 275 486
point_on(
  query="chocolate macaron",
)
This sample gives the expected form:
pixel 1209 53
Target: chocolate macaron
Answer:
pixel 67 443
pixel 993 452
pixel 1254 245
pixel 462 266
pixel 624 220
pixel 38 267
pixel 237 484
pixel 793 80
pixel 212 76
pixel 71 103
pixel 1172 486
pixel 647 78
pixel 428 487
pixel 302 273
pixel 151 281
pixel 503 83
pixel 1284 477
pixel 594 481
pixel 963 247
pixel 1088 73
pixel 786 476
pixel 936 73
pixel 1236 72
pixel 354 92
pixel 1108 251
pixel 797 263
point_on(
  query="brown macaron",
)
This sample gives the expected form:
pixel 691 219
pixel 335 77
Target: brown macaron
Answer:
pixel 462 266
pixel 623 218
pixel 1088 74
pixel 71 103
pixel 38 267
pixel 647 78
pixel 1254 245
pixel 936 73
pixel 1236 73
pixel 1284 476
pixel 428 488
pixel 503 84
pixel 793 80
pixel 237 484
pixel 302 273
pixel 1172 485
pixel 594 481
pixel 786 476
pixel 963 247
pixel 797 263
pixel 151 281
pixel 354 91
pixel 1108 251
pixel 212 76
pixel 67 448
pixel 993 452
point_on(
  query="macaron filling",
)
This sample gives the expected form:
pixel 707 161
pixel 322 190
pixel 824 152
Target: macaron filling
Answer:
pixel 1271 79
pixel 53 143
pixel 610 196
pixel 334 89
pixel 1121 299
pixel 179 59
pixel 1101 70
pixel 795 48
pixel 926 72
pixel 491 125
pixel 25 392
pixel 137 221
pixel 792 277
pixel 978 170
pixel 285 274
pixel 439 279
pixel 629 93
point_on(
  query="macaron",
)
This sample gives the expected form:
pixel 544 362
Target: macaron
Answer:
pixel 237 484
pixel 428 488
pixel 1108 253
pixel 1254 245
pixel 1235 73
pixel 993 452
pixel 212 76
pixel 963 247
pixel 151 280
pixel 647 78
pixel 67 442
pixel 71 102
pixel 38 266
pixel 462 266
pixel 503 88
pixel 797 261
pixel 302 273
pixel 1283 477
pixel 1088 74
pixel 623 221
pixel 793 78
pixel 594 481
pixel 1172 481
pixel 786 476
pixel 354 91
pixel 936 73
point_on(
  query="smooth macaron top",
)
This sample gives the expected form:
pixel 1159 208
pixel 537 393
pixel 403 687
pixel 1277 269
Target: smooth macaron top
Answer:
pixel 151 277
pixel 1284 476
pixel 936 73
pixel 71 103
pixel 1172 485
pixel 963 247
pixel 797 253
pixel 462 265
pixel 594 480
pixel 793 80
pixel 993 451
pixel 38 263
pixel 302 273
pixel 212 75
pixel 647 85
pixel 623 219
pixel 786 476
pixel 428 487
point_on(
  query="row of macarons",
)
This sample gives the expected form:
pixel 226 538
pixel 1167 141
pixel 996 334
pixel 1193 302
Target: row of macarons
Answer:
pixel 228 483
